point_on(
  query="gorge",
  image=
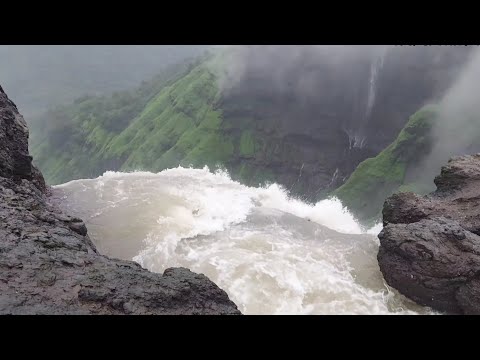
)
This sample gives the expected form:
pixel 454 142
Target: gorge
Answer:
pixel 303 117
pixel 249 179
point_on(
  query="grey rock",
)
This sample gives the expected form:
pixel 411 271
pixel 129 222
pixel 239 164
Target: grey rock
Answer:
pixel 78 227
pixel 430 245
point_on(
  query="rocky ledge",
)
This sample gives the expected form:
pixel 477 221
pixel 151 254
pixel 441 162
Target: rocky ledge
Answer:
pixel 48 264
pixel 430 245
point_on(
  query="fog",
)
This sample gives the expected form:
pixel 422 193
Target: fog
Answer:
pixel 321 79
pixel 293 67
pixel 39 76
pixel 459 125
pixel 370 89
pixel 288 67
pixel 457 129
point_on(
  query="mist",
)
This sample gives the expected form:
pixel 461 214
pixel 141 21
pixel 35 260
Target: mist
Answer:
pixel 41 76
pixel 350 101
pixel 370 89
pixel 287 67
pixel 456 130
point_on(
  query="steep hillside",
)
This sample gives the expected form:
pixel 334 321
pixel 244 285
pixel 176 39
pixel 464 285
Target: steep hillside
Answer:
pixel 410 163
pixel 377 178
pixel 304 117
pixel 174 121
pixel 70 142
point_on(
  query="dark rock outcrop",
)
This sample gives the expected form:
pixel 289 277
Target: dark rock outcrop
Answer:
pixel 430 245
pixel 48 264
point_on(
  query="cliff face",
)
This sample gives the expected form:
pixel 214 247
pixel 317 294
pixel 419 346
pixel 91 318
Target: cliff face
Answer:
pixel 15 161
pixel 303 117
pixel 318 112
pixel 379 177
pixel 410 78
pixel 430 245
pixel 48 265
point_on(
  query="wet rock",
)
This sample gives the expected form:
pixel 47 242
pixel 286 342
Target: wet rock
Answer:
pixel 78 227
pixel 430 245
pixel 15 162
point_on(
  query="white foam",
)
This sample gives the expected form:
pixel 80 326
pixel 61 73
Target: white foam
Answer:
pixel 255 243
pixel 330 212
pixel 375 229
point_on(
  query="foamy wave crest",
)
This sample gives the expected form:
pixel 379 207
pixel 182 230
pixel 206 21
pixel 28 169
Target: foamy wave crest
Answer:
pixel 330 212
pixel 273 254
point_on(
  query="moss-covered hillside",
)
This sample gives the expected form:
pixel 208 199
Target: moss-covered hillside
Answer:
pixel 182 118
pixel 291 121
pixel 172 120
pixel 75 141
pixel 377 178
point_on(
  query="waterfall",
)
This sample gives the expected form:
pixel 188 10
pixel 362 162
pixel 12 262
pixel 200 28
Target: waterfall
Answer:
pixel 356 132
pixel 375 68
pixel 355 139
pixel 334 177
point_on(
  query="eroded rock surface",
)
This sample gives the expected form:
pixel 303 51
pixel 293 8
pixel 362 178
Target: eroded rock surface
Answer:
pixel 430 245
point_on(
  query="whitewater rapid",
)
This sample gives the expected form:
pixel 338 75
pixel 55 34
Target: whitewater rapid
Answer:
pixel 270 253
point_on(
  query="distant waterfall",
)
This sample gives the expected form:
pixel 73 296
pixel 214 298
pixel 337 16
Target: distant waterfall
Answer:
pixel 355 139
pixel 375 68
pixel 356 131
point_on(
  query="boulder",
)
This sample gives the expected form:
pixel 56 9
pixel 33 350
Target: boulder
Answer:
pixel 430 245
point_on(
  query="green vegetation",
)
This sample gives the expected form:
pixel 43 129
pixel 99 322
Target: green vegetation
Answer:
pixel 173 120
pixel 180 118
pixel 247 144
pixel 85 138
pixel 377 178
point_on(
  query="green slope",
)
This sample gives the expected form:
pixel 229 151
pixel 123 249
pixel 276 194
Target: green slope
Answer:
pixel 179 118
pixel 377 178
pixel 71 142
pixel 173 120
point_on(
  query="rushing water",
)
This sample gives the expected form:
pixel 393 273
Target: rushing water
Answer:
pixel 356 134
pixel 376 66
pixel 271 254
